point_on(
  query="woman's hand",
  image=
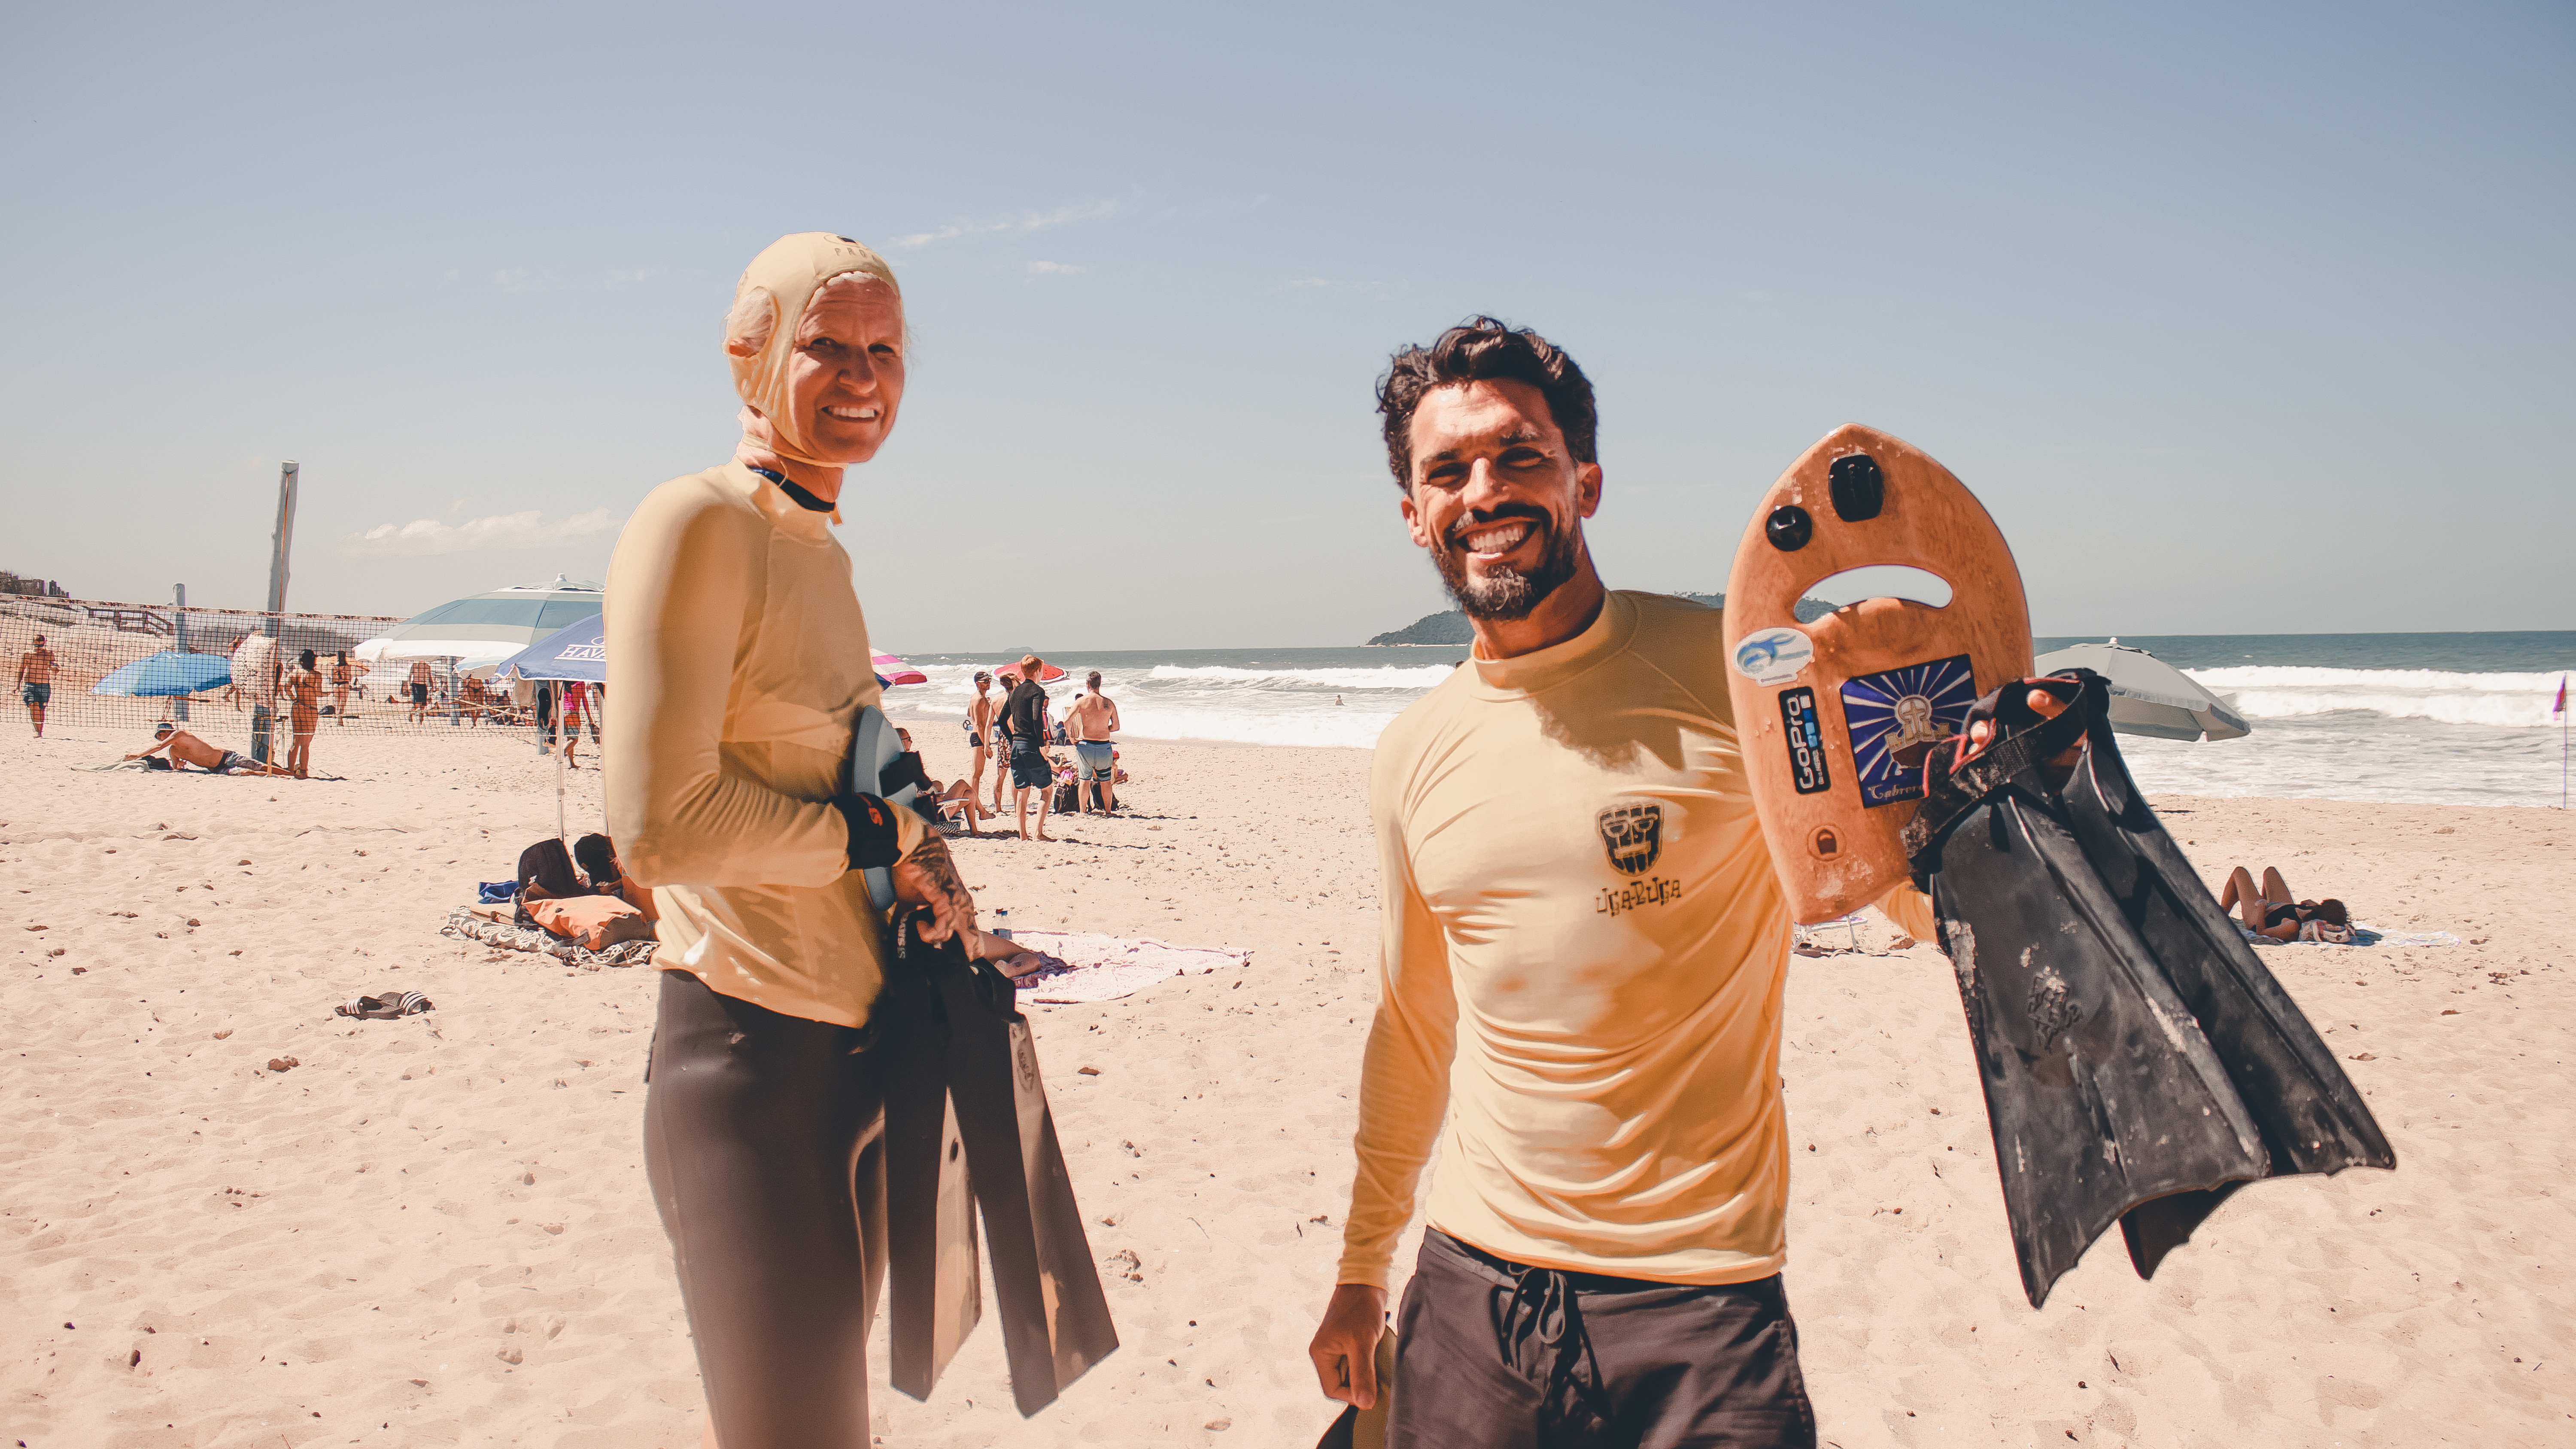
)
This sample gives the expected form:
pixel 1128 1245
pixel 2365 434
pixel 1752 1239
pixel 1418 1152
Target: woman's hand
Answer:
pixel 928 877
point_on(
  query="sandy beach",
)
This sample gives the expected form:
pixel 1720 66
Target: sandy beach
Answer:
pixel 436 1231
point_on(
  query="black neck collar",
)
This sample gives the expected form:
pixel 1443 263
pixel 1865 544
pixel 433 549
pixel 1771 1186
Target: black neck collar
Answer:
pixel 804 500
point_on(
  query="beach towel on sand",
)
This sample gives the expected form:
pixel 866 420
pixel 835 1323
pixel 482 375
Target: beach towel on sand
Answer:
pixel 1105 968
pixel 2364 934
pixel 464 925
pixel 597 922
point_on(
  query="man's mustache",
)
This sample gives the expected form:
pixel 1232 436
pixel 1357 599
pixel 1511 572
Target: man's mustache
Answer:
pixel 1487 518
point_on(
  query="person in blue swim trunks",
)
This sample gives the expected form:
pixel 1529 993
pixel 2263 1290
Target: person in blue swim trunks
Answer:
pixel 36 669
pixel 1089 722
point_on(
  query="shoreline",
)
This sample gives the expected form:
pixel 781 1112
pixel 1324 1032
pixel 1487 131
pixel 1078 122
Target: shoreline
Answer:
pixel 387 1230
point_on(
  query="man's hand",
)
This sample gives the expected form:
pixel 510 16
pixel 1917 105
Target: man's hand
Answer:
pixel 2061 766
pixel 1344 1350
pixel 928 877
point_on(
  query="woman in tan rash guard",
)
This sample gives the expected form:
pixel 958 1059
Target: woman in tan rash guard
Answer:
pixel 740 661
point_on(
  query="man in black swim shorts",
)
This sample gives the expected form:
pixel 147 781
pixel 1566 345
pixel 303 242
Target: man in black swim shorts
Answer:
pixel 1030 768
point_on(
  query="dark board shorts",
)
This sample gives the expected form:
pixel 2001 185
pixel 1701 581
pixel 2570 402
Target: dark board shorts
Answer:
pixel 1491 1352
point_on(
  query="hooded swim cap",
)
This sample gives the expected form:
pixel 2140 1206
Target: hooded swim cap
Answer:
pixel 760 332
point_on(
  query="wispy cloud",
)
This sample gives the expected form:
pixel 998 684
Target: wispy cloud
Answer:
pixel 499 533
pixel 1021 225
pixel 1382 291
pixel 1054 269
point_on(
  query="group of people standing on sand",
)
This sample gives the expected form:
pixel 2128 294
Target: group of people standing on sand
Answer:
pixel 1014 729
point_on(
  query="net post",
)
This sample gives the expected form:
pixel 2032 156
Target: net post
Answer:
pixel 179 640
pixel 282 543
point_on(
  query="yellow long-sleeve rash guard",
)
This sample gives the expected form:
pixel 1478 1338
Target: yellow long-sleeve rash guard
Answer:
pixel 1584 953
pixel 737 662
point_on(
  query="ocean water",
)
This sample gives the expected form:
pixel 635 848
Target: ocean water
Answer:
pixel 2438 718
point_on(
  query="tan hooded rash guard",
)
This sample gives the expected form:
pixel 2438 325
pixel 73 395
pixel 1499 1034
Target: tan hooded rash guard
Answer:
pixel 1579 909
pixel 739 660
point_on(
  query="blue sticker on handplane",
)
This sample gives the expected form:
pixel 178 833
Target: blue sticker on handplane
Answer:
pixel 1896 717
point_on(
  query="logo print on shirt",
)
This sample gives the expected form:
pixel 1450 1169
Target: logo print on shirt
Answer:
pixel 1633 835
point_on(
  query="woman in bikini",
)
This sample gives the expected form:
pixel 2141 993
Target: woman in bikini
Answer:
pixel 340 677
pixel 304 712
pixel 2275 914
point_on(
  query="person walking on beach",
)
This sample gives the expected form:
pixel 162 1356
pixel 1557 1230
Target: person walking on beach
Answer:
pixel 1605 1227
pixel 303 689
pixel 1006 679
pixel 1088 723
pixel 741 663
pixel 1030 768
pixel 575 700
pixel 36 670
pixel 979 731
pixel 232 694
pixel 419 690
pixel 341 677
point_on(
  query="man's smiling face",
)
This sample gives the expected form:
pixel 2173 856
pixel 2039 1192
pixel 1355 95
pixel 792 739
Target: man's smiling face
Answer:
pixel 1495 495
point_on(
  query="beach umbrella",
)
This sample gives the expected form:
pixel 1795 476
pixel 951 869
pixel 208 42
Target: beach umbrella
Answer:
pixel 892 671
pixel 168 672
pixel 499 621
pixel 2150 697
pixel 577 651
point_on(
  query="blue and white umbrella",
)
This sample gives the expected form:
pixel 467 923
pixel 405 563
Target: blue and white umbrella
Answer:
pixel 579 651
pixel 169 672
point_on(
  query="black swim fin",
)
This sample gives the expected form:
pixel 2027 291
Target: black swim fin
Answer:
pixel 959 1048
pixel 934 1278
pixel 2139 1064
pixel 2311 1118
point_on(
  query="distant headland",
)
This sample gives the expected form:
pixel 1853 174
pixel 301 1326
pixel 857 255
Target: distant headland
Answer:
pixel 1449 628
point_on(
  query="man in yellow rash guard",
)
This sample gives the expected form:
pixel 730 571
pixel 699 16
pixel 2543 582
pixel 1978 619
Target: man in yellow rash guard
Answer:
pixel 1584 949
pixel 739 661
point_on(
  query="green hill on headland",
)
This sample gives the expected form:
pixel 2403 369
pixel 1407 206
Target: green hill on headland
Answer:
pixel 1450 627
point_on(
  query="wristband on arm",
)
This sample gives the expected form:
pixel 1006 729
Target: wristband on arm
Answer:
pixel 876 839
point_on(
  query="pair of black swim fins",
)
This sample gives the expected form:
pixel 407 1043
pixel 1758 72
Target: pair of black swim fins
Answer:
pixel 2139 1063
pixel 969 1142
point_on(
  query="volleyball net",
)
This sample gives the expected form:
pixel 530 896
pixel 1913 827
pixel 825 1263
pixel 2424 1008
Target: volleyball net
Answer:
pixel 118 669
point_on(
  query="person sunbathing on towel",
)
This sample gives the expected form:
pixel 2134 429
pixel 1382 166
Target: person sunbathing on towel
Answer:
pixel 2275 914
pixel 933 800
pixel 186 749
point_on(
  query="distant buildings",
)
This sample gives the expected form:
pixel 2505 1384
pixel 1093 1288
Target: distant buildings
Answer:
pixel 40 588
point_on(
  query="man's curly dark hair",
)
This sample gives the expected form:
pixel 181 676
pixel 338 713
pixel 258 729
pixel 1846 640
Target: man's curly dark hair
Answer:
pixel 1482 348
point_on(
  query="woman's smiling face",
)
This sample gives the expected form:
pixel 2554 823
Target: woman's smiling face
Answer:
pixel 846 377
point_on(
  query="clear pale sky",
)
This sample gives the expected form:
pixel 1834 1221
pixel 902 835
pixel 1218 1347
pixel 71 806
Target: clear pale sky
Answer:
pixel 2239 318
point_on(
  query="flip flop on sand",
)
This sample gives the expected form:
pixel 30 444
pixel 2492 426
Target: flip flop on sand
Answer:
pixel 389 1005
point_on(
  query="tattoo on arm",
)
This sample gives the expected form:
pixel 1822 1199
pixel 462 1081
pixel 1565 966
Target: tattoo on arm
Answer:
pixel 935 863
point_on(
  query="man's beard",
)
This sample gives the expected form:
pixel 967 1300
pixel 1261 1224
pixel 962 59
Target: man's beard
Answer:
pixel 1505 593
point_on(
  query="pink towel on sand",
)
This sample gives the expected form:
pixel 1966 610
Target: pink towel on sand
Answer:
pixel 1105 968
